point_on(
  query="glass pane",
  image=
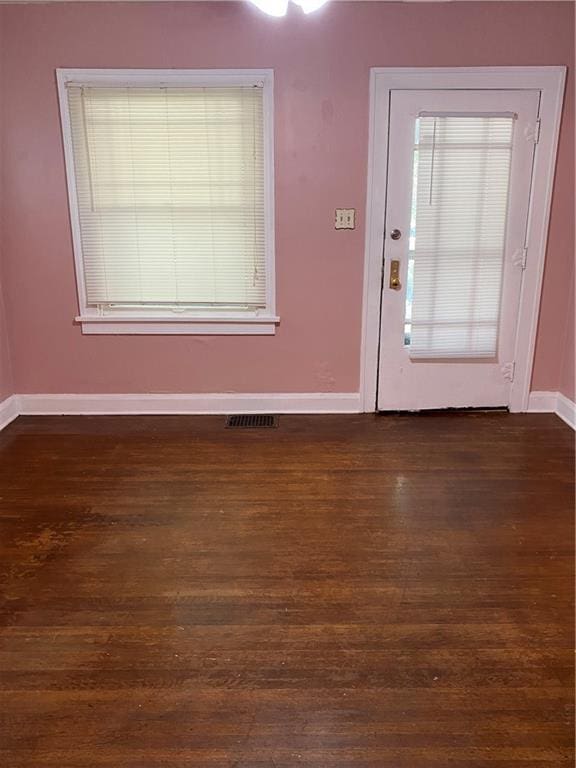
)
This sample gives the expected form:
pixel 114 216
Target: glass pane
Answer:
pixel 461 171
pixel 411 241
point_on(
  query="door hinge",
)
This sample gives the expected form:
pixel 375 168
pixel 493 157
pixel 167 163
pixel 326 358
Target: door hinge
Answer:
pixel 508 371
pixel 533 131
pixel 519 257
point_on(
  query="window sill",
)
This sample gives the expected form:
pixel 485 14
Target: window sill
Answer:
pixel 264 325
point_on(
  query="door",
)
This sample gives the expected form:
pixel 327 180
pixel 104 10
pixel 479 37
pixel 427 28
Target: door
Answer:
pixel 458 193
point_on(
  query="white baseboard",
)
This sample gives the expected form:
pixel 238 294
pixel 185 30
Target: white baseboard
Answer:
pixel 206 404
pixel 553 402
pixel 566 409
pixel 317 402
pixel 542 402
pixel 9 410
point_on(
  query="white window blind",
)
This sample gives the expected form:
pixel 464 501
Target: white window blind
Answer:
pixel 460 200
pixel 170 195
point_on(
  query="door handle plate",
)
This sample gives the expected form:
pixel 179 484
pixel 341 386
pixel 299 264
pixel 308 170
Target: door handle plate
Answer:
pixel 395 283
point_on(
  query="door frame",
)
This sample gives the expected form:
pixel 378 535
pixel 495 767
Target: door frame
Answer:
pixel 550 81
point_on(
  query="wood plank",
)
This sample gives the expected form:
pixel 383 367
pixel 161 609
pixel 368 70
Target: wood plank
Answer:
pixel 342 592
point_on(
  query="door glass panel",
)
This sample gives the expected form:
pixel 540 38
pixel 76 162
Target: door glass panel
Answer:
pixel 461 176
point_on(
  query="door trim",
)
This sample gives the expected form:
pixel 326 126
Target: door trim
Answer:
pixel 550 81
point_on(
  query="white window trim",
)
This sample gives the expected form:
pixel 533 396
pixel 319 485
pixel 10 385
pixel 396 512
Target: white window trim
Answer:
pixel 550 81
pixel 125 321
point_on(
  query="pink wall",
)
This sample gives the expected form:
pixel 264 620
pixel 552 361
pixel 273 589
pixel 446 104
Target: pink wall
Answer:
pixel 321 65
pixel 567 384
pixel 6 382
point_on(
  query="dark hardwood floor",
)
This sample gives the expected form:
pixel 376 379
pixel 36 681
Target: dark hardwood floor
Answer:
pixel 342 592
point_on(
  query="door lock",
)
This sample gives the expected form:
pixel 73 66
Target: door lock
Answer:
pixel 395 234
pixel 395 283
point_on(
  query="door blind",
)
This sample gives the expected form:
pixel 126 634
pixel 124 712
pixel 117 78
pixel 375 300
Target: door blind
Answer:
pixel 170 193
pixel 459 210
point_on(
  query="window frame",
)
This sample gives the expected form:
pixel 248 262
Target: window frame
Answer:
pixel 137 320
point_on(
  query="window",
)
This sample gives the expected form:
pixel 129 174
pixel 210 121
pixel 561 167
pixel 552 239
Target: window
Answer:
pixel 457 234
pixel 170 188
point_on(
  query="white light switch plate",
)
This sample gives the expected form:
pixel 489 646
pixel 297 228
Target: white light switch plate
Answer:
pixel 345 218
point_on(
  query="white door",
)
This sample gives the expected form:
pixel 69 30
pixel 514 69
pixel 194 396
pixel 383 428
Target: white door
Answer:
pixel 458 191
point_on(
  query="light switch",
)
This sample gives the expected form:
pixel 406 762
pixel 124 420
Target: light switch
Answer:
pixel 345 218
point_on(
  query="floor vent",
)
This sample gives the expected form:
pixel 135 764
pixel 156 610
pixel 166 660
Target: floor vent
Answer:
pixel 251 421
